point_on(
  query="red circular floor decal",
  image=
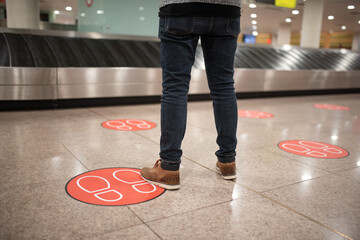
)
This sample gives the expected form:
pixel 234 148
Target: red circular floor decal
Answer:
pixel 128 124
pixel 112 187
pixel 254 114
pixel 331 107
pixel 313 149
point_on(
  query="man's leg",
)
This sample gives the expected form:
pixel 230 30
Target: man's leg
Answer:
pixel 177 53
pixel 219 48
pixel 177 56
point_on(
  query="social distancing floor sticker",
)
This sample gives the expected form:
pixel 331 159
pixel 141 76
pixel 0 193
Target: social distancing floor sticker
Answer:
pixel 128 125
pixel 254 114
pixel 313 149
pixel 112 187
pixel 331 107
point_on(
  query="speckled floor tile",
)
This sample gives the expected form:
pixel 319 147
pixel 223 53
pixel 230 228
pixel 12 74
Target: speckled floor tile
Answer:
pixel 261 170
pixel 331 200
pixel 45 211
pixel 344 139
pixel 199 188
pixel 42 150
pixel 247 218
pixel 258 168
pixel 353 174
pixel 31 157
pixel 139 232
pixel 119 149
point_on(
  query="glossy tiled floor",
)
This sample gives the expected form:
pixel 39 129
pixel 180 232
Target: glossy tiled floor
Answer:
pixel 277 195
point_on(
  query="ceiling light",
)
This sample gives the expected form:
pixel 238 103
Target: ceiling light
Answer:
pixel 68 8
pixel 82 14
pixel 100 12
pixel 359 22
pixel 255 22
pixel 255 33
pixel 288 20
pixel 331 17
pixel 351 7
pixel 252 5
pixel 56 12
pixel 295 12
pixel 142 18
pixel 254 27
pixel 141 8
pixel 343 27
pixel 253 15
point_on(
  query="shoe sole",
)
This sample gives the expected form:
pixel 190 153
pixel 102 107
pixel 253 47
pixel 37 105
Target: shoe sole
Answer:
pixel 163 185
pixel 230 177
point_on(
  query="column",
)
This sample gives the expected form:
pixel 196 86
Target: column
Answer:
pixel 327 41
pixel 356 42
pixel 284 34
pixel 311 23
pixel 23 14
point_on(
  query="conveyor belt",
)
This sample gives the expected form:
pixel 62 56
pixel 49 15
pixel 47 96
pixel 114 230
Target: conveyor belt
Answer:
pixel 28 50
pixel 66 69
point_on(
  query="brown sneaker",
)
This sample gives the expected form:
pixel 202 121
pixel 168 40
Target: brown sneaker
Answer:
pixel 161 177
pixel 227 170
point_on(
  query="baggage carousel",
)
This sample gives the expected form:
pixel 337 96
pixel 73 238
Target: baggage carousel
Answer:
pixel 54 69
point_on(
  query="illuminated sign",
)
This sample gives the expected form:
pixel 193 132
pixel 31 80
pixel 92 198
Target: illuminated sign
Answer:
pixel 285 3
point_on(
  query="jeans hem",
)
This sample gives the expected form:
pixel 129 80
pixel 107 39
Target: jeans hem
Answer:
pixel 170 166
pixel 226 160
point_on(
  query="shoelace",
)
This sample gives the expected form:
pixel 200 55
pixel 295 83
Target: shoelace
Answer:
pixel 157 163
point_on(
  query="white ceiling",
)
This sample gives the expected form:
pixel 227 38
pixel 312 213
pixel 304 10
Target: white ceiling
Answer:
pixel 268 17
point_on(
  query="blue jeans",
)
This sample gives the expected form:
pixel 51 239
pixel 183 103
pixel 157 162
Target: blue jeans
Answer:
pixel 179 39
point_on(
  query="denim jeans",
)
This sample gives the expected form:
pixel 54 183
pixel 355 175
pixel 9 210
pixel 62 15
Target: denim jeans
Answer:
pixel 179 39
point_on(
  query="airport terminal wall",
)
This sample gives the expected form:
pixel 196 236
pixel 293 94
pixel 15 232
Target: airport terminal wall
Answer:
pixel 49 69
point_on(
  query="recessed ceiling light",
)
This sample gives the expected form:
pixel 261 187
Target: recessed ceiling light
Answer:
pixel 255 33
pixel 288 20
pixel 56 12
pixel 343 27
pixel 100 12
pixel 253 15
pixel 295 12
pixel 141 8
pixel 82 14
pixel 252 5
pixel 350 7
pixel 142 18
pixel 254 27
pixel 359 22
pixel 68 8
pixel 331 17
pixel 255 22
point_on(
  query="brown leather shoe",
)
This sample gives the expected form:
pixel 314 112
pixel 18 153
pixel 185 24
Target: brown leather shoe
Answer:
pixel 227 170
pixel 161 177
